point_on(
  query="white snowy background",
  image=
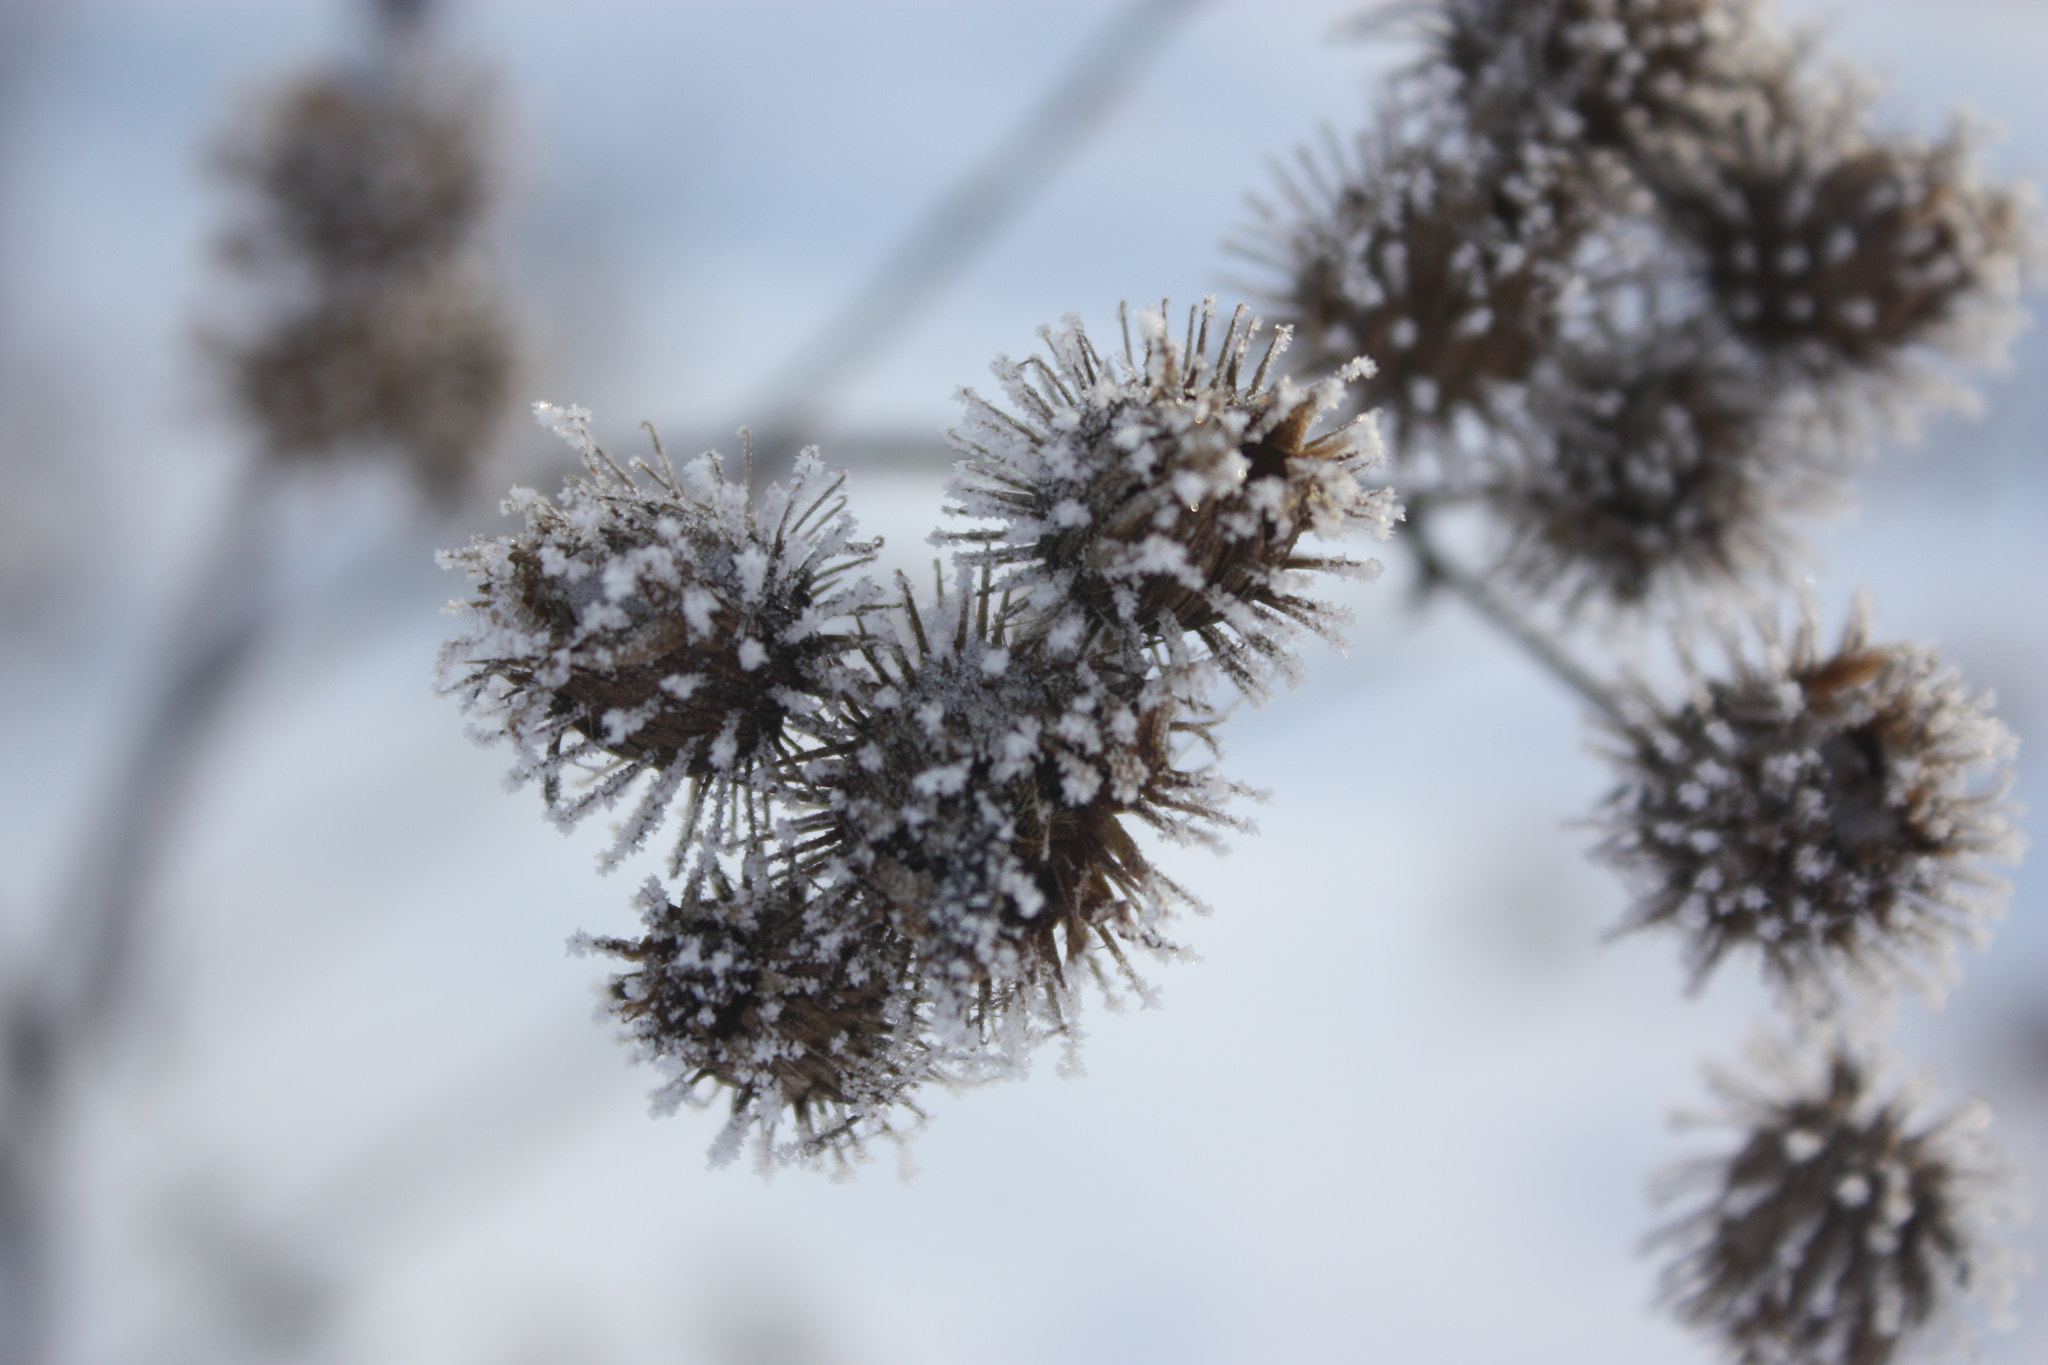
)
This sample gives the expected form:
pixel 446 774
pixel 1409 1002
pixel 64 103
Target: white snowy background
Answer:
pixel 1404 1109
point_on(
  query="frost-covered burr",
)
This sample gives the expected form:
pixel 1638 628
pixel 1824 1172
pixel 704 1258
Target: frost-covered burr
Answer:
pixel 1652 468
pixel 1847 1227
pixel 1825 244
pixel 1163 493
pixel 665 625
pixel 1444 257
pixel 1608 73
pixel 365 201
pixel 756 988
pixel 985 808
pixel 1831 812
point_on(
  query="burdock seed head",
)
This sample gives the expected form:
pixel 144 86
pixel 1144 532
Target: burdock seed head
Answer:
pixel 1163 492
pixel 985 808
pixel 1827 245
pixel 1845 1228
pixel 1445 257
pixel 753 988
pixel 662 624
pixel 1605 72
pixel 1831 812
pixel 1656 471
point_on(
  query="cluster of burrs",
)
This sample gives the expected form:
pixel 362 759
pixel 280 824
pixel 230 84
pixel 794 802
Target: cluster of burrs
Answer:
pixel 1643 280
pixel 909 830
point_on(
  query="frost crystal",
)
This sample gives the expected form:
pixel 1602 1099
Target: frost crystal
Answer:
pixel 1843 1228
pixel 1831 812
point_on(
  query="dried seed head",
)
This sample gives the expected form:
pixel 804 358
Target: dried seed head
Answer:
pixel 1844 1228
pixel 1664 468
pixel 1603 72
pixel 1822 244
pixel 1444 258
pixel 983 809
pixel 663 624
pixel 425 370
pixel 800 1014
pixel 1165 495
pixel 378 329
pixel 1830 811
pixel 366 174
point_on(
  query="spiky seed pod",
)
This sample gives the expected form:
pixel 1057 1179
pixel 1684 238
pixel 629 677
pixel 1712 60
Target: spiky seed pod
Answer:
pixel 377 329
pixel 425 369
pixel 1608 73
pixel 375 173
pixel 984 809
pixel 1831 811
pixel 1646 470
pixel 1843 1229
pixel 1445 258
pixel 665 626
pixel 755 988
pixel 1162 496
pixel 1823 244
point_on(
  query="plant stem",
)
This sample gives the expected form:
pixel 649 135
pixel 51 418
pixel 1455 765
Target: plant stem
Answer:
pixel 1437 571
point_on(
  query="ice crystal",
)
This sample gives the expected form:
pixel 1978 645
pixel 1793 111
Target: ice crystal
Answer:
pixel 666 625
pixel 1165 493
pixel 1843 1229
pixel 1832 812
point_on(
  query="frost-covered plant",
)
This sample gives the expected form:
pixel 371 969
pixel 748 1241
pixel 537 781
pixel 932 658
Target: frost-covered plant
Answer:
pixel 1845 1227
pixel 1643 278
pixel 365 200
pixel 755 987
pixel 665 625
pixel 1141 499
pixel 1830 811
pixel 911 830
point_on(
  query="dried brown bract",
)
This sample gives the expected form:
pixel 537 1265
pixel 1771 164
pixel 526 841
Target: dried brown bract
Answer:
pixel 1843 1229
pixel 1832 812
pixel 1605 72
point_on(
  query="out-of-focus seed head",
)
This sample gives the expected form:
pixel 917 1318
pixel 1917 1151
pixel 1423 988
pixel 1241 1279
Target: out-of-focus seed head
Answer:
pixel 1603 72
pixel 1444 258
pixel 661 623
pixel 983 807
pixel 1657 469
pixel 372 173
pixel 1823 244
pixel 1165 492
pixel 425 370
pixel 758 989
pixel 1832 812
pixel 1844 1229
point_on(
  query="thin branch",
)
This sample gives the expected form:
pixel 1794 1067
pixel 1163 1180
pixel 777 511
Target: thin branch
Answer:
pixel 1437 571
pixel 968 216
